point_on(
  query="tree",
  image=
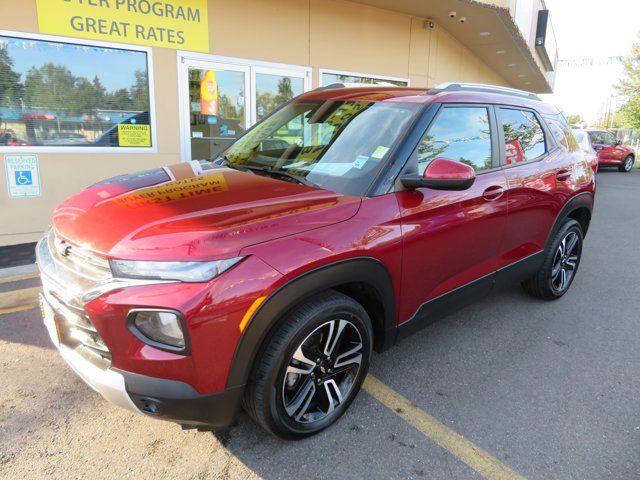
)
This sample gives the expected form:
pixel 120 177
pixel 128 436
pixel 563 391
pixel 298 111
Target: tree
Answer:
pixel 285 92
pixel 574 119
pixel 629 88
pixel 51 86
pixel 140 91
pixel 10 88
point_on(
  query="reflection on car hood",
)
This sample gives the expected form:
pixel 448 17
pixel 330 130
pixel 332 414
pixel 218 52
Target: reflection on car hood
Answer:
pixel 184 213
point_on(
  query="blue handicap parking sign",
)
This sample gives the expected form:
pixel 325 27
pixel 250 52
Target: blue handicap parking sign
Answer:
pixel 23 177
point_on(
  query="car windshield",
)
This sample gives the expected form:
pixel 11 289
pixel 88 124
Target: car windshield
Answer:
pixel 335 145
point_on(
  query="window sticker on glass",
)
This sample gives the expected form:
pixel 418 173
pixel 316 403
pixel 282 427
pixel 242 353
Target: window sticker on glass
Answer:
pixel 360 161
pixel 380 152
pixel 134 135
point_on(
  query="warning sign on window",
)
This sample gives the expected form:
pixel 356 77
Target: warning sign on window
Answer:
pixel 134 135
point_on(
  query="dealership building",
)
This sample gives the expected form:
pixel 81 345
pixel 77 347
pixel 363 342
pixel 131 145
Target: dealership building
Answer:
pixel 90 89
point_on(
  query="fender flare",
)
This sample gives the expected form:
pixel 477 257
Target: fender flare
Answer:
pixel 361 269
pixel 582 200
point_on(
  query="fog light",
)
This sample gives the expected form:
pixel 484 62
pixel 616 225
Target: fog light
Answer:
pixel 159 328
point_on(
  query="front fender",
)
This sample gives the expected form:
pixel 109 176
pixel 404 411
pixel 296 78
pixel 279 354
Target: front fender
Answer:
pixel 274 309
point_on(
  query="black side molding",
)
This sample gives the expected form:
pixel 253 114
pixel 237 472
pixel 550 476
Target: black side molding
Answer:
pixel 447 303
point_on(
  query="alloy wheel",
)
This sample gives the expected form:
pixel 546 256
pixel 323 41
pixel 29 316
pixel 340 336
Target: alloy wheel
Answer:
pixel 565 262
pixel 322 371
pixel 628 164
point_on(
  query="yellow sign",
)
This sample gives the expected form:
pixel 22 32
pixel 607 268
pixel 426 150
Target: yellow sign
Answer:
pixel 180 24
pixel 134 135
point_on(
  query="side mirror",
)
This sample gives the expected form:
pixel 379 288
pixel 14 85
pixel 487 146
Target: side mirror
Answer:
pixel 617 142
pixel 597 148
pixel 442 174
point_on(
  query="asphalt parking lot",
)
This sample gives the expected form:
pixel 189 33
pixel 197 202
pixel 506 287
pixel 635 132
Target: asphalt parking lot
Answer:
pixel 508 387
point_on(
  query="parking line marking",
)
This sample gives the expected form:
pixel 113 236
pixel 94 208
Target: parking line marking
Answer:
pixel 19 298
pixel 448 439
pixel 22 308
pixel 17 278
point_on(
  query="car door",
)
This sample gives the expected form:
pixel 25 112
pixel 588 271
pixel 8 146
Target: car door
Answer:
pixel 451 238
pixel 538 180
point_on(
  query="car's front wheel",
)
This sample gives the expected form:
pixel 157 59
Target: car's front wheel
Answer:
pixel 627 165
pixel 311 367
pixel 560 264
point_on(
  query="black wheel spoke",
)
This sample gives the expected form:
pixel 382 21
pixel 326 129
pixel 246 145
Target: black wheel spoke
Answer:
pixel 565 262
pixel 322 371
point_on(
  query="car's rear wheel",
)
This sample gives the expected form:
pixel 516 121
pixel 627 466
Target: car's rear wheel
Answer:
pixel 311 367
pixel 560 264
pixel 627 165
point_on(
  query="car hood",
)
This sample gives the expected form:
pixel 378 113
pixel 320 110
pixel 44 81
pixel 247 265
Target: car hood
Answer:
pixel 183 213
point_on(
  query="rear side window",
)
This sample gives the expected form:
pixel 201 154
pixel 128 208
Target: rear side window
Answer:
pixel 523 136
pixel 561 131
pixel 458 133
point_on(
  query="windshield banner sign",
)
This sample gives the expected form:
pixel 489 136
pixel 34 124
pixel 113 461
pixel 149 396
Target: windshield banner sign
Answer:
pixel 179 24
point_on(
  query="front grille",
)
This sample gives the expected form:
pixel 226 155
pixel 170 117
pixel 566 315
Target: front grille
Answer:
pixel 75 271
pixel 65 279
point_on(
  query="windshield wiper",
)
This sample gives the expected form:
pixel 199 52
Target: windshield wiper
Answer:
pixel 281 173
pixel 224 161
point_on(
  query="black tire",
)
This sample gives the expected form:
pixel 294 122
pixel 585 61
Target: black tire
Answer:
pixel 549 283
pixel 272 382
pixel 627 165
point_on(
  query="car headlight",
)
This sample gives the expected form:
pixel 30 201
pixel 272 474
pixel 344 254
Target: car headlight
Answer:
pixel 179 271
pixel 159 328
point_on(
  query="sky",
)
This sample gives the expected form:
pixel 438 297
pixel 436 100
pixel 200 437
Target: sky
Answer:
pixel 595 29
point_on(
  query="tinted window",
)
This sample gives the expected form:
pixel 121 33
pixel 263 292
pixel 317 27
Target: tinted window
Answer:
pixel 523 135
pixel 561 131
pixel 71 95
pixel 458 133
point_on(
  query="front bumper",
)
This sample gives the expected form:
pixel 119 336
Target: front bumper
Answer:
pixel 157 397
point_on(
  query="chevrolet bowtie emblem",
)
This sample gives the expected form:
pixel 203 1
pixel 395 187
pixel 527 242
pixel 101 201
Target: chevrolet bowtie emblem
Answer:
pixel 63 248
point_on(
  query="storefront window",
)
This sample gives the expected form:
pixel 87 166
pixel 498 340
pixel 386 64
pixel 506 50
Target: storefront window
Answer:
pixel 55 94
pixel 336 77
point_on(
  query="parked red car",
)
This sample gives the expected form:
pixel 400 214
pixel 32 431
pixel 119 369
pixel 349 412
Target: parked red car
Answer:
pixel 611 152
pixel 266 277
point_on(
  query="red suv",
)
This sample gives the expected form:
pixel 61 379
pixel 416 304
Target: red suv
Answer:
pixel 266 278
pixel 611 152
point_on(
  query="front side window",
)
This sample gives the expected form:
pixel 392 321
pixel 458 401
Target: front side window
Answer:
pixel 458 133
pixel 523 136
pixel 336 145
pixel 57 94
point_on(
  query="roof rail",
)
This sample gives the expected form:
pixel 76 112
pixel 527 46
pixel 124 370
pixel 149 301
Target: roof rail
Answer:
pixel 331 86
pixel 481 87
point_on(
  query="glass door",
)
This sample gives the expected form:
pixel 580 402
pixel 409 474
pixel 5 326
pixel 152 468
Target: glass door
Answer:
pixel 217 107
pixel 271 87
pixel 220 101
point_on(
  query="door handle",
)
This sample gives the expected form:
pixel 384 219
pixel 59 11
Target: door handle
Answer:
pixel 493 193
pixel 563 175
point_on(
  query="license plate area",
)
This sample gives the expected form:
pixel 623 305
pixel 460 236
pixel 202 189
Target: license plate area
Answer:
pixel 49 319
